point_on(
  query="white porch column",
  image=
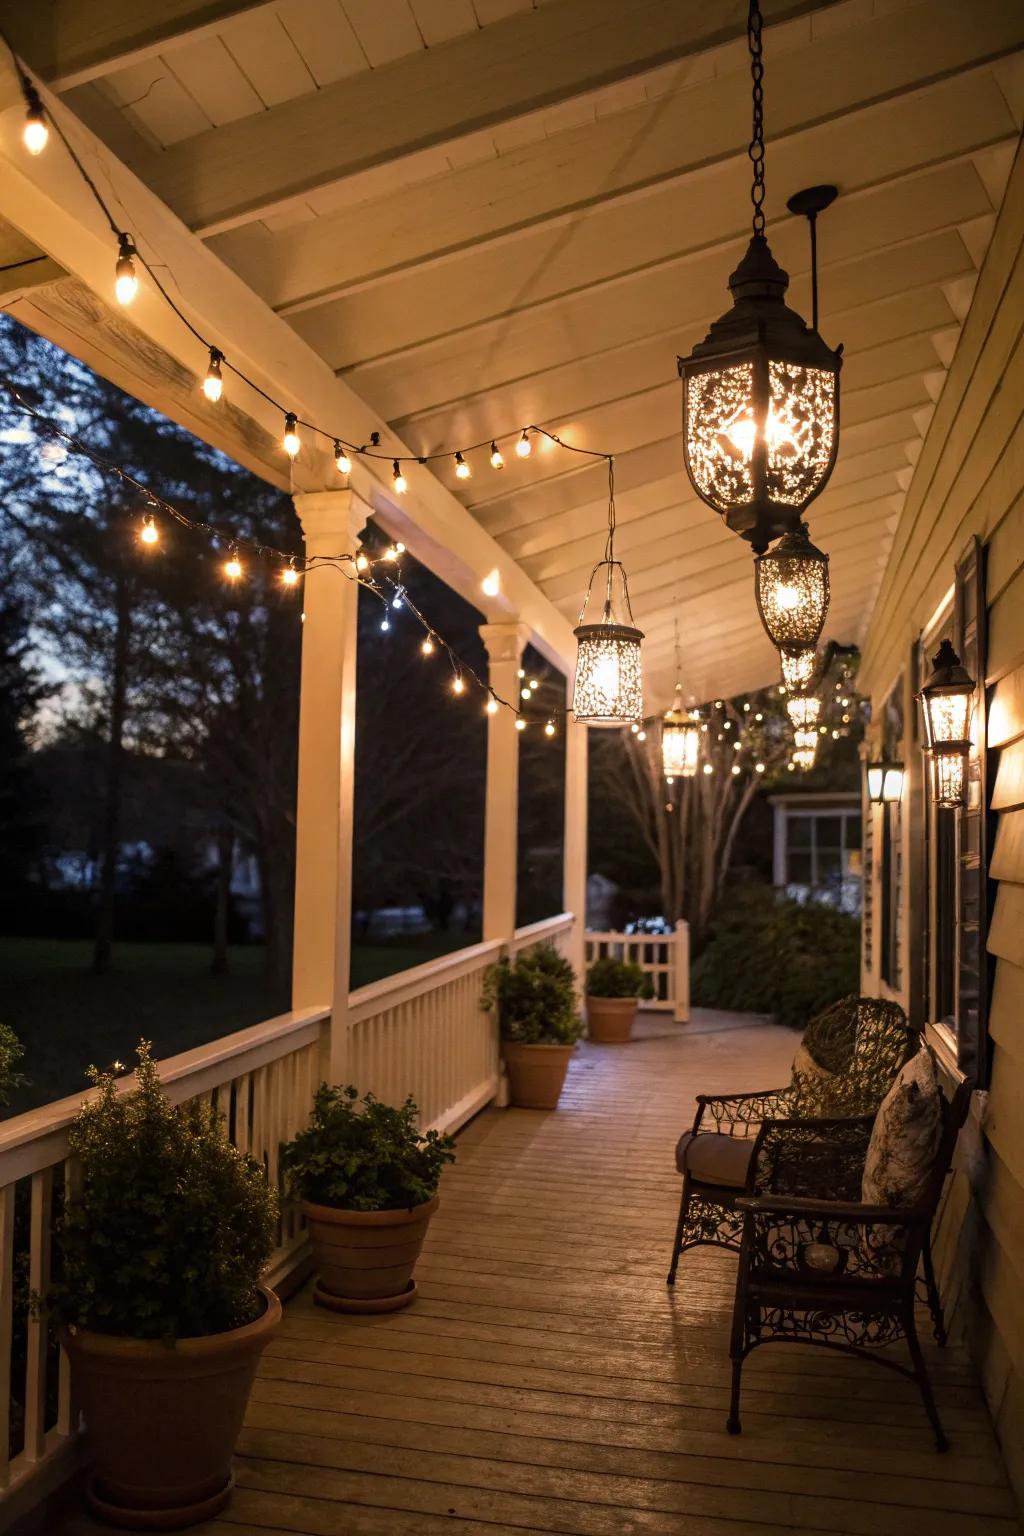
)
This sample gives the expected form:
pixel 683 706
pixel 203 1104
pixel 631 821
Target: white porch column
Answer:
pixel 505 644
pixel 574 847
pixel 331 521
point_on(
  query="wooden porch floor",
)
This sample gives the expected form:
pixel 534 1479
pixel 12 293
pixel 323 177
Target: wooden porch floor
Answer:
pixel 546 1379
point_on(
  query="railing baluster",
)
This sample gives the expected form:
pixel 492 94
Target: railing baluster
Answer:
pixel 6 1322
pixel 37 1338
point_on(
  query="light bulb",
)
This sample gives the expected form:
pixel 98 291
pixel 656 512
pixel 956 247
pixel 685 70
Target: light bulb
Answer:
pixel 520 725
pixel 399 548
pixel 491 706
pixel 534 682
pixel 126 282
pixel 213 384
pixel 385 623
pixel 462 469
pixel 520 673
pixel 746 708
pixel 398 480
pixel 342 460
pixel 289 576
pixel 549 729
pixel 735 767
pixel 391 553
pixel 491 583
pixel 524 693
pixel 634 728
pixel 149 533
pixel 759 767
pixel 396 602
pixel 458 686
pixel 641 735
pixel 427 648
pixel 362 562
pixel 742 434
pixel 232 567
pixel 291 442
pixel 708 768
pixel 524 447
pixel 497 458
pixel 35 132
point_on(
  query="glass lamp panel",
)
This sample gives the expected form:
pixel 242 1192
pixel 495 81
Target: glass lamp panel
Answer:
pixel 876 780
pixel 793 594
pixel 803 757
pixel 803 710
pixel 680 746
pixel 607 689
pixel 798 667
pixel 807 740
pixel 892 785
pixel 948 778
pixel 801 430
pixel 947 717
pixel 720 435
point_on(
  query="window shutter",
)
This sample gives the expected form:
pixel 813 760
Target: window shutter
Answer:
pixel 972 960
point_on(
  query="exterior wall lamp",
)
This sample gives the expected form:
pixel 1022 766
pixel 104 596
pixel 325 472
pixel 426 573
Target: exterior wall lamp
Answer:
pixel 885 782
pixel 947 700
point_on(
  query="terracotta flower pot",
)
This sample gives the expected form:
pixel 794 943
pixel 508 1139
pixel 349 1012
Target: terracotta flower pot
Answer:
pixel 610 1019
pixel 366 1258
pixel 162 1420
pixel 536 1073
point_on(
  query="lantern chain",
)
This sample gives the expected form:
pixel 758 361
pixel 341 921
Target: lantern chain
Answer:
pixel 756 147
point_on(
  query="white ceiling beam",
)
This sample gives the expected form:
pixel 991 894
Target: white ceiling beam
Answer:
pixel 47 201
pixel 529 62
pixel 69 42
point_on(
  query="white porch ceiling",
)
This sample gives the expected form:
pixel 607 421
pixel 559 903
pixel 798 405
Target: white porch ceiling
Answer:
pixel 485 212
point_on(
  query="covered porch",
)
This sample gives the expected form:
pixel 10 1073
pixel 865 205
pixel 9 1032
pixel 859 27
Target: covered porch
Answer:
pixel 548 1380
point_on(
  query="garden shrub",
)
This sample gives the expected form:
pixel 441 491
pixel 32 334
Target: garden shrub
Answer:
pixel 535 997
pixel 11 1053
pixel 609 977
pixel 369 1159
pixel 787 958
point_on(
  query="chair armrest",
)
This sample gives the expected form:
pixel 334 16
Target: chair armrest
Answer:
pixel 809 1158
pixel 851 1212
pixel 742 1109
pixel 814 1242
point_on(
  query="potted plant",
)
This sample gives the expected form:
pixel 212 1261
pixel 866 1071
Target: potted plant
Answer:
pixel 535 998
pixel 613 989
pixel 367 1178
pixel 157 1291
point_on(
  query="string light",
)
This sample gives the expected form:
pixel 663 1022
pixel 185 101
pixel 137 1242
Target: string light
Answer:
pixel 524 693
pixel 289 576
pixel 427 647
pixel 149 533
pixel 213 384
pixel 491 583
pixel 497 458
pixel 759 767
pixel 520 723
pixel 458 686
pixel 549 729
pixel 491 707
pixel 385 624
pixel 524 447
pixel 126 282
pixel 232 565
pixel 462 469
pixel 641 735
pixel 520 673
pixel 398 480
pixel 708 769
pixel 291 442
pixel 35 132
pixel 342 459
pixel 362 562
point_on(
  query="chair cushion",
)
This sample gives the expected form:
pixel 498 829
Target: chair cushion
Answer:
pixel 715 1159
pixel 905 1137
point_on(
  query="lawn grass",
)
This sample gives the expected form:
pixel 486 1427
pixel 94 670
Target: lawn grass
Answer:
pixel 67 1018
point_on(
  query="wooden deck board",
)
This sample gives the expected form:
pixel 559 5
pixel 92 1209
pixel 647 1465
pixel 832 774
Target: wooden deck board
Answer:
pixel 547 1380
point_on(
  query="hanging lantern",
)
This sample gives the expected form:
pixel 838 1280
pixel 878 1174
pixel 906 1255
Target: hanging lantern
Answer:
pixel 608 687
pixel 947 699
pixel 806 740
pixel 803 709
pixel 803 758
pixel 761 391
pixel 792 589
pixel 680 745
pixel 799 664
pixel 885 782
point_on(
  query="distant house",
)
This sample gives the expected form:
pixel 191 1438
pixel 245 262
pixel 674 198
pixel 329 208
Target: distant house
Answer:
pixel 817 847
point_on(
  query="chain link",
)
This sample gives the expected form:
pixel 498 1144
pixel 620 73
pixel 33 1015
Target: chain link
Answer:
pixel 756 147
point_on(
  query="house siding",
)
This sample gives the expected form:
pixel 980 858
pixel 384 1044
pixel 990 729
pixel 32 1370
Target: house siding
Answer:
pixel 969 480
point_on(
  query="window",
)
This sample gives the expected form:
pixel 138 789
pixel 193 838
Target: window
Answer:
pixel 823 856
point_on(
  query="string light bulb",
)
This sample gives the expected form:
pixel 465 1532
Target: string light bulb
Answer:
pixel 291 442
pixel 491 584
pixel 497 457
pixel 398 480
pixel 290 576
pixel 491 707
pixel 149 533
pixel 213 384
pixel 458 685
pixel 35 132
pixel 427 647
pixel 524 447
pixel 342 460
pixel 462 469
pixel 549 729
pixel 126 282
pixel 232 565
pixel 385 624
pixel 520 723
pixel 362 562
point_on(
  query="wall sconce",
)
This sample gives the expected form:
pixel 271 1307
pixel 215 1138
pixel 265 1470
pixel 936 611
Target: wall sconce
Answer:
pixel 947 699
pixel 885 783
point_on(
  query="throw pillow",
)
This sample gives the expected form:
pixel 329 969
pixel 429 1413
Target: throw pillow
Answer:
pixel 905 1137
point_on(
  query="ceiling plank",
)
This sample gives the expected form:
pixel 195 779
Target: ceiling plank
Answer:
pixel 69 42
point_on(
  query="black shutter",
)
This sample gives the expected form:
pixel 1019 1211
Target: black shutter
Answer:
pixel 972 960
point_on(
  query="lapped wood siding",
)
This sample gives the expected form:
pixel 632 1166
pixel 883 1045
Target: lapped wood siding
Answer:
pixel 969 480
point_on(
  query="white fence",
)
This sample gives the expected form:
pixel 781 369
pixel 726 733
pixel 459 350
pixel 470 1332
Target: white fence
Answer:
pixel 665 957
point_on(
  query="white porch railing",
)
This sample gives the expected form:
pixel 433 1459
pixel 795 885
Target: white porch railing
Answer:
pixel 665 957
pixel 262 1080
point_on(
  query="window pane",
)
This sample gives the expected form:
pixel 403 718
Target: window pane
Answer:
pixel 830 832
pixel 799 831
pixel 853 831
pixel 798 868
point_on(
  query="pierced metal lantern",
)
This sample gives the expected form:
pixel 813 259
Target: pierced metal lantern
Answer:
pixel 885 782
pixel 680 745
pixel 608 687
pixel 803 709
pixel 806 740
pixel 799 664
pixel 792 589
pixel 803 757
pixel 947 699
pixel 760 406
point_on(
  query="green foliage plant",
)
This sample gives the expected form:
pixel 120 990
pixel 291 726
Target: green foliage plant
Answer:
pixel 169 1227
pixel 786 958
pixel 618 978
pixel 365 1157
pixel 11 1052
pixel 535 997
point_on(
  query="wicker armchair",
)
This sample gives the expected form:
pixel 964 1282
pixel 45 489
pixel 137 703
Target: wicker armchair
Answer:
pixel 797 1139
pixel 840 1274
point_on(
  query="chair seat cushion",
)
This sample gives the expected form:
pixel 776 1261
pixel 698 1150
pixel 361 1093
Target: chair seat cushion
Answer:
pixel 715 1159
